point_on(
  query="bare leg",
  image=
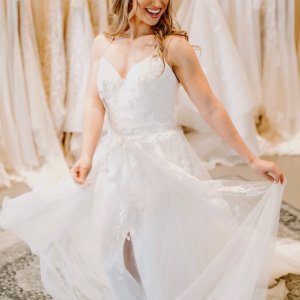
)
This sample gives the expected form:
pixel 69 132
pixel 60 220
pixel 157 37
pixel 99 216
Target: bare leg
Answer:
pixel 129 259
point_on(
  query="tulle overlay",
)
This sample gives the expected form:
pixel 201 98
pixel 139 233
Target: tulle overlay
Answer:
pixel 192 237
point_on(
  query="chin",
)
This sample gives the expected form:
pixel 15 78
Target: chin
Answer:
pixel 150 12
pixel 150 21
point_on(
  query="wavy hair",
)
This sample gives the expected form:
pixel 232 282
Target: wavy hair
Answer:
pixel 122 11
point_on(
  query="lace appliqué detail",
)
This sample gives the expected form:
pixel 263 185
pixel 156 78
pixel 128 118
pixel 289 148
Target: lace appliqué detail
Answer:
pixel 108 89
pixel 153 69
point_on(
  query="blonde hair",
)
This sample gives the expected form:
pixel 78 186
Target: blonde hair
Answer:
pixel 122 11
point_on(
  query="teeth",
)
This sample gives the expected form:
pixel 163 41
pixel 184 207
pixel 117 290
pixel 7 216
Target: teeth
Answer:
pixel 153 11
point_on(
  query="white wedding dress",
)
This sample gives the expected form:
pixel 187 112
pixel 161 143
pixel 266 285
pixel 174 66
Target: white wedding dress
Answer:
pixel 54 60
pixel 281 85
pixel 243 19
pixel 79 38
pixel 13 155
pixel 18 94
pixel 99 13
pixel 192 237
pixel 48 148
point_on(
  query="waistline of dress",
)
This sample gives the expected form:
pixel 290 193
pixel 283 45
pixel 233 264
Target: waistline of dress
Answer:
pixel 136 135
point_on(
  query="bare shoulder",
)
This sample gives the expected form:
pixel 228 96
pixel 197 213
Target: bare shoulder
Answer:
pixel 99 44
pixel 178 49
pixel 99 40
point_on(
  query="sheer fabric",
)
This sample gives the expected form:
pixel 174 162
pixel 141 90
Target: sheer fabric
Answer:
pixel 192 237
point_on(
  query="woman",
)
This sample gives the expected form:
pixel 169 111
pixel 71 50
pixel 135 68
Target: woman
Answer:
pixel 142 219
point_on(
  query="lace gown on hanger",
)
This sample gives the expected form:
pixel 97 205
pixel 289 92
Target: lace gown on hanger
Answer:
pixel 281 86
pixel 47 144
pixel 79 37
pixel 13 154
pixel 19 100
pixel 54 60
pixel 98 12
pixel 243 19
pixel 192 237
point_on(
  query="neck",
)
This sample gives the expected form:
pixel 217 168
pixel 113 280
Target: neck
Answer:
pixel 138 28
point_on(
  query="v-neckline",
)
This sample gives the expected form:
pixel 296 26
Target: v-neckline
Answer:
pixel 123 79
pixel 129 70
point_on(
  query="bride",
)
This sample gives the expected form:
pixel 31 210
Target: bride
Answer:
pixel 139 217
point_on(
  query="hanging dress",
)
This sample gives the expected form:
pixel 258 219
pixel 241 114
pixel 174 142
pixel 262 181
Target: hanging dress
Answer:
pixel 19 99
pixel 243 19
pixel 99 15
pixel 281 85
pixel 13 150
pixel 54 61
pixel 45 138
pixel 79 37
pixel 207 28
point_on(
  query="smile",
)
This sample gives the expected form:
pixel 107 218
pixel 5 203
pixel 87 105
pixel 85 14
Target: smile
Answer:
pixel 153 12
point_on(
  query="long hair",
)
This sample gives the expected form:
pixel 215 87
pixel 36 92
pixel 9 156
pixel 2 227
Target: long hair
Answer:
pixel 122 11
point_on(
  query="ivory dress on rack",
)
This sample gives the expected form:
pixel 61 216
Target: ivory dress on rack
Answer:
pixel 207 28
pixel 79 39
pixel 46 141
pixel 78 44
pixel 54 60
pixel 18 92
pixel 98 12
pixel 281 86
pixel 13 152
pixel 5 179
pixel 243 19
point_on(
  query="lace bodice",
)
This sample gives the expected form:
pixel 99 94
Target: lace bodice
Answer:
pixel 141 103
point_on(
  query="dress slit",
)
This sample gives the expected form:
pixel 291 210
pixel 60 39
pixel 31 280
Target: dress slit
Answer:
pixel 129 259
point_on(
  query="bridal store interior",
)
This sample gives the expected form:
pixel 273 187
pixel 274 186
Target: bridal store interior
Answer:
pixel 250 53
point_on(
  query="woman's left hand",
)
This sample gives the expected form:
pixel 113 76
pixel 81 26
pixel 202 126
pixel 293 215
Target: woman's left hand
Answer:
pixel 268 170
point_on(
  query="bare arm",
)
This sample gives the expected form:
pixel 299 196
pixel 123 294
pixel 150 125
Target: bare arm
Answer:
pixel 94 110
pixel 93 117
pixel 189 72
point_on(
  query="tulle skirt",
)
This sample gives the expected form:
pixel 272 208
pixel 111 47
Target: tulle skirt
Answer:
pixel 191 237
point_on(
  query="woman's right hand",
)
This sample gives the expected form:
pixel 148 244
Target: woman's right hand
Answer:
pixel 81 169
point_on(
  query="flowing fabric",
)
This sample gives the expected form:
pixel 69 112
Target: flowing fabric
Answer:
pixel 192 237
